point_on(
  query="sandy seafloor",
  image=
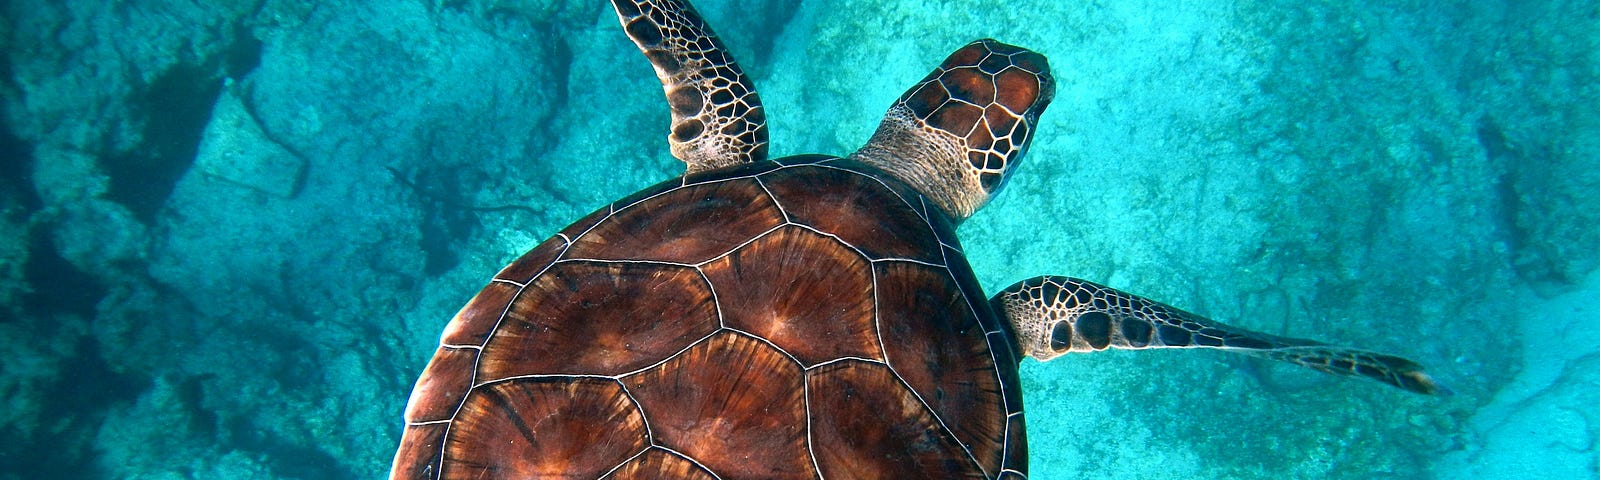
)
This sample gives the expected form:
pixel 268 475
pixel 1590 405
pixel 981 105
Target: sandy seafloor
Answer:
pixel 230 233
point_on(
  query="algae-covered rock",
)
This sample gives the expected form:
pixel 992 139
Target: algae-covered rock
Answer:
pixel 1541 424
pixel 236 150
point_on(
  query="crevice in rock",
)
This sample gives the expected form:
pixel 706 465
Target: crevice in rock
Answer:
pixel 561 59
pixel 93 385
pixel 243 55
pixel 176 107
pixel 18 202
pixel 56 286
pixel 447 216
pixel 780 13
pixel 76 410
pixel 286 458
pixel 16 163
pixel 191 394
pixel 61 452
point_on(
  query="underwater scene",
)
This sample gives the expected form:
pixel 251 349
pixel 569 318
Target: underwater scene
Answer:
pixel 232 232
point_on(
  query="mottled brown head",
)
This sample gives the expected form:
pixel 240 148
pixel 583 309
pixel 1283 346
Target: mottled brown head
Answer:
pixel 956 135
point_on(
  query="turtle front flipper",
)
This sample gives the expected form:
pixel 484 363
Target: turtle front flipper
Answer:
pixel 717 119
pixel 1053 316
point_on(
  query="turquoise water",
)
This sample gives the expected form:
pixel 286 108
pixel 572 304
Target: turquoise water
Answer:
pixel 230 235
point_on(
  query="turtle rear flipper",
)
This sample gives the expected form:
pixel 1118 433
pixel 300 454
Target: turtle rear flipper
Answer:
pixel 1053 316
pixel 717 119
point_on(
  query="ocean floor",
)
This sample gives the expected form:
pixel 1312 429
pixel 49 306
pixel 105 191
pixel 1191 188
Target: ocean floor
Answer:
pixel 231 232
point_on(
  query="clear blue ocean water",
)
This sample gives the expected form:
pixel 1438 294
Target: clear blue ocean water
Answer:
pixel 230 232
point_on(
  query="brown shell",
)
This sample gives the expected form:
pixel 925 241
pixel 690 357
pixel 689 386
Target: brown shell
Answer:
pixel 783 319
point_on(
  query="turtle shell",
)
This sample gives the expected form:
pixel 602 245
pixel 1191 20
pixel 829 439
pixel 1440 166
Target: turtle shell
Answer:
pixel 781 319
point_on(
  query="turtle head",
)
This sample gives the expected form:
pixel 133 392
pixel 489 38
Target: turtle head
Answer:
pixel 958 133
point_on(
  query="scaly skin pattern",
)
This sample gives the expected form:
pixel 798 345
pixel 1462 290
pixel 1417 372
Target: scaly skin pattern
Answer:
pixel 1053 316
pixel 717 119
pixel 804 317
pixel 957 134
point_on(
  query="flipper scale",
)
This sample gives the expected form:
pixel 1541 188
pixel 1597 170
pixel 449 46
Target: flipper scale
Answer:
pixel 717 118
pixel 1053 316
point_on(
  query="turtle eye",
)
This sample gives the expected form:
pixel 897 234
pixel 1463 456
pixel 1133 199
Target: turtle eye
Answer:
pixel 991 181
pixel 990 94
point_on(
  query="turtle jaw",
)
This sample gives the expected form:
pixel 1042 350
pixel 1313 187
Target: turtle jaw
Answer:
pixel 956 135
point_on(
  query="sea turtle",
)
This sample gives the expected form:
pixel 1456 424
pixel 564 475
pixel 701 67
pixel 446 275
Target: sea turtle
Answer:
pixel 802 317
